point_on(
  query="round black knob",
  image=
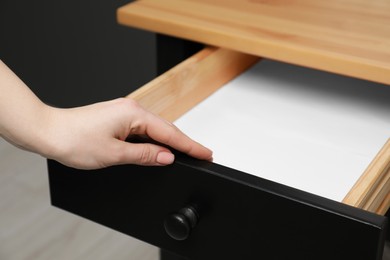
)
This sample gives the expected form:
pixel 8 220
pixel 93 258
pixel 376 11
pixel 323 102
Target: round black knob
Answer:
pixel 180 224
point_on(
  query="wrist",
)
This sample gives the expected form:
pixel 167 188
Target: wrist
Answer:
pixel 35 130
pixel 48 133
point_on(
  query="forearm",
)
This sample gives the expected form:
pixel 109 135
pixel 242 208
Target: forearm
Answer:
pixel 23 116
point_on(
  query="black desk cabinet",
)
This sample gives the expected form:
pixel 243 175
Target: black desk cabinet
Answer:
pixel 240 216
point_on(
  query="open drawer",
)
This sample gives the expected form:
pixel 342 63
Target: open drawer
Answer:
pixel 338 117
pixel 239 215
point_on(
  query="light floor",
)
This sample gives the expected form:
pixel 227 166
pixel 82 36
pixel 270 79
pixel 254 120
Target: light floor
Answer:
pixel 31 229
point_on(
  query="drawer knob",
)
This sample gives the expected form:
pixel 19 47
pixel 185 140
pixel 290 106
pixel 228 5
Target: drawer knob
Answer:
pixel 180 224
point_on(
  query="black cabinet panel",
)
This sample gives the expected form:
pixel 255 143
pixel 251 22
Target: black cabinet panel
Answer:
pixel 241 216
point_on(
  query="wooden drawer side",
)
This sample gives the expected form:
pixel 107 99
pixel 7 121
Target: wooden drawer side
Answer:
pixel 371 191
pixel 181 88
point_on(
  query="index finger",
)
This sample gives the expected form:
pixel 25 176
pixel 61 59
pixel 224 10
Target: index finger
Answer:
pixel 167 133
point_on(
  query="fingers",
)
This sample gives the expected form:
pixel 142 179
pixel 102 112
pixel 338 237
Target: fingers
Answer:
pixel 164 132
pixel 144 122
pixel 143 154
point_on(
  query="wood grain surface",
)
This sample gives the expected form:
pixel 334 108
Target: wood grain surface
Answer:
pixel 350 37
pixel 371 191
pixel 181 88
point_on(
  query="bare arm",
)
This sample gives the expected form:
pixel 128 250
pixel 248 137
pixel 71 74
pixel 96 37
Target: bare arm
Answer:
pixel 87 137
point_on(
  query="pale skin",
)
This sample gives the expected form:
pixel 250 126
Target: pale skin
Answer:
pixel 88 137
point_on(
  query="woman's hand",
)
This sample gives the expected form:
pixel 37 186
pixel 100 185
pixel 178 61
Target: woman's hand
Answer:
pixel 94 136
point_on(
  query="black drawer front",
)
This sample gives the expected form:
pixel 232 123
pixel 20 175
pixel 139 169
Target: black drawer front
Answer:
pixel 241 216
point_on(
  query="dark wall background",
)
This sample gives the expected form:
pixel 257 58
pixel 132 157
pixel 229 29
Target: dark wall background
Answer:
pixel 73 52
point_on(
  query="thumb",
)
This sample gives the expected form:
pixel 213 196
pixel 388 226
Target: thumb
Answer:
pixel 146 154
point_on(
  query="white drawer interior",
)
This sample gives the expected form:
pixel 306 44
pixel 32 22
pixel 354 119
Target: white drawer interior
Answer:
pixel 307 129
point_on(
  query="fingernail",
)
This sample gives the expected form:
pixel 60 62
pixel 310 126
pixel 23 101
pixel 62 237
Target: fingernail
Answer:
pixel 165 158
